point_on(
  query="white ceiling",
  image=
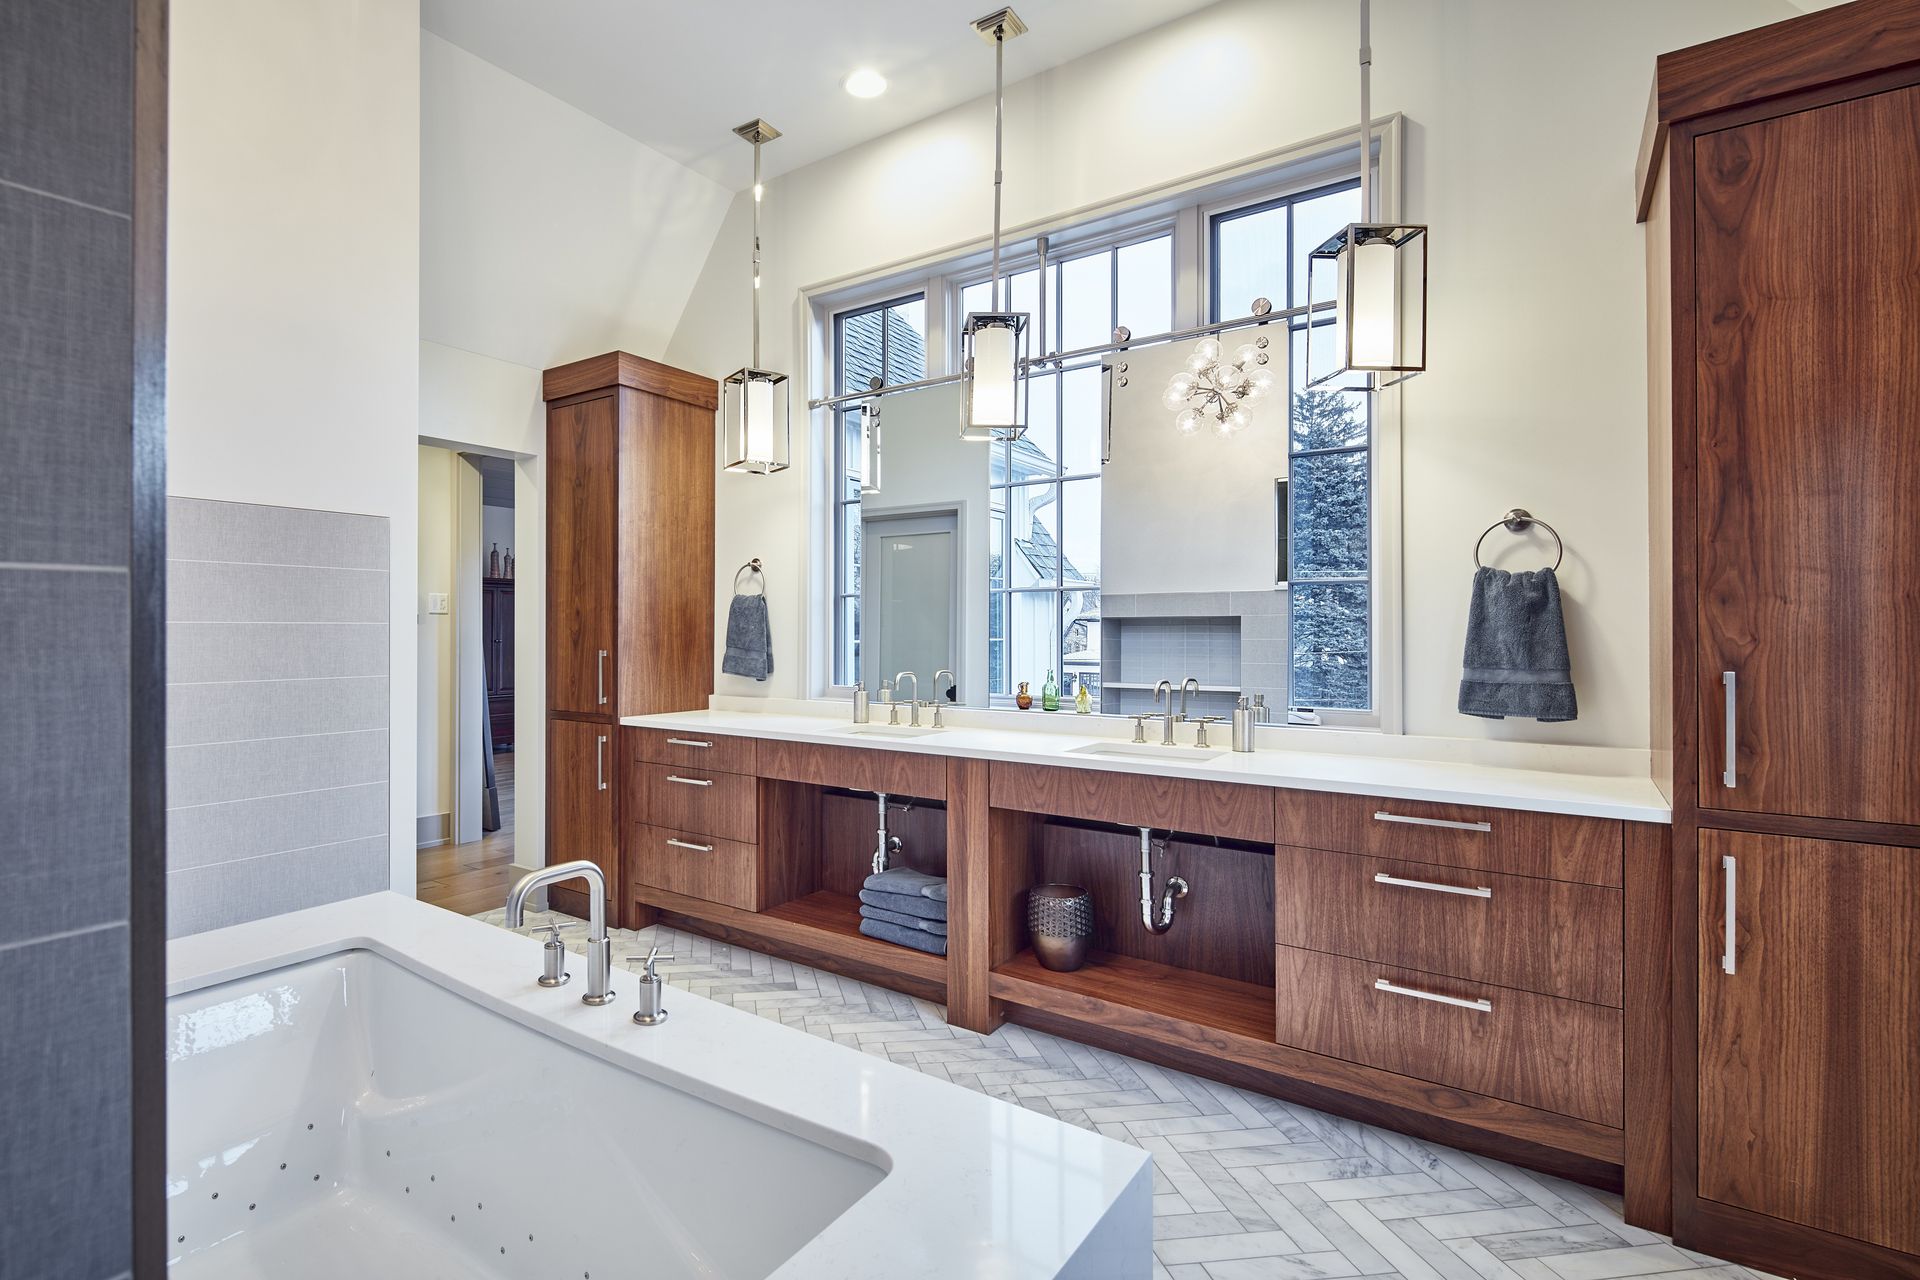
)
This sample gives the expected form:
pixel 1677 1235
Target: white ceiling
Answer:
pixel 679 76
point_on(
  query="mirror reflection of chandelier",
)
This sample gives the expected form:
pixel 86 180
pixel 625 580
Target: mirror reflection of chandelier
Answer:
pixel 1216 388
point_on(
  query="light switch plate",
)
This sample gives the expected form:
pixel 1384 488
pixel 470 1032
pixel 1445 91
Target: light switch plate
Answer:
pixel 436 602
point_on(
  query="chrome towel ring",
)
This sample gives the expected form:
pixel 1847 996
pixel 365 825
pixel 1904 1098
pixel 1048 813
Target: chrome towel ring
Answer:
pixel 1519 520
pixel 753 567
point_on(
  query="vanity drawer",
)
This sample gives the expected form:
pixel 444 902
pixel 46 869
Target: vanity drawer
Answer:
pixel 1556 846
pixel 710 751
pixel 1558 1055
pixel 1135 799
pixel 1550 936
pixel 703 801
pixel 697 866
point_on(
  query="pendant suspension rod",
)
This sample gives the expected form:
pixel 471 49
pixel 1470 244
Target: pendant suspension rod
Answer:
pixel 1105 348
pixel 756 249
pixel 999 113
pixel 1366 114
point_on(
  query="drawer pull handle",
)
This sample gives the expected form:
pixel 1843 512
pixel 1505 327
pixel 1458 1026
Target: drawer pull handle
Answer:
pixel 687 742
pixel 688 844
pixel 1730 954
pixel 689 782
pixel 600 763
pixel 1730 775
pixel 600 677
pixel 1381 877
pixel 1478 1006
pixel 1449 824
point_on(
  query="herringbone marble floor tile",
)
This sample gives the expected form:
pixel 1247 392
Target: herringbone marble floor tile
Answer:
pixel 1246 1187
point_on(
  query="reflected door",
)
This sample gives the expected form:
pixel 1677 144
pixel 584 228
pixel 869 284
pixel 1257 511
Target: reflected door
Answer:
pixel 908 604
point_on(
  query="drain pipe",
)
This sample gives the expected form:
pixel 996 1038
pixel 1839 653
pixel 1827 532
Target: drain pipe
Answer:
pixel 880 837
pixel 1176 888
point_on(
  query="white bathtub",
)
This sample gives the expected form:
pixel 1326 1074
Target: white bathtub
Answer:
pixel 377 1088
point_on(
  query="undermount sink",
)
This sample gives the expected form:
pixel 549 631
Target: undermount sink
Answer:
pixel 1151 750
pixel 889 731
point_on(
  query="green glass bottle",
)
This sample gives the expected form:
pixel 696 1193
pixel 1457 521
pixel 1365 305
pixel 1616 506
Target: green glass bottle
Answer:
pixel 1050 693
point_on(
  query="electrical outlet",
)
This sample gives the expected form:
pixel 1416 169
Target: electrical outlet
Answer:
pixel 436 602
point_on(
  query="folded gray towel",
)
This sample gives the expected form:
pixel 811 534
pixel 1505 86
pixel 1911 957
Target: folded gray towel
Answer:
pixel 906 881
pixel 749 638
pixel 907 904
pixel 903 920
pixel 932 944
pixel 1516 654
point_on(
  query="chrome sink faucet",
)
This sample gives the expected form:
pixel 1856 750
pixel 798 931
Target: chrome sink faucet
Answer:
pixel 899 682
pixel 1189 684
pixel 1164 692
pixel 599 948
pixel 939 693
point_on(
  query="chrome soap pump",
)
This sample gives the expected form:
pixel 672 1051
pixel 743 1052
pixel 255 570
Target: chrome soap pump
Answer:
pixel 1243 723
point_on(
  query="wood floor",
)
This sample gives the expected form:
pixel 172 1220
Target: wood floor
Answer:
pixel 474 876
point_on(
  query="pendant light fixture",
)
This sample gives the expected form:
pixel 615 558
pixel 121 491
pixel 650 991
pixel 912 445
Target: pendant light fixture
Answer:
pixel 759 434
pixel 1379 279
pixel 993 343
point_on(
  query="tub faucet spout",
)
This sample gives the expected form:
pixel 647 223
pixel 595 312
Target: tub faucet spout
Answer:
pixel 599 948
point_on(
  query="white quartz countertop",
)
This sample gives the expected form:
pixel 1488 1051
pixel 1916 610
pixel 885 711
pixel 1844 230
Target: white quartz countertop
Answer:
pixel 975 1188
pixel 1588 782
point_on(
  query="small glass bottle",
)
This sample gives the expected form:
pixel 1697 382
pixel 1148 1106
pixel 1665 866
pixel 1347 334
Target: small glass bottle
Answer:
pixel 1050 693
pixel 1023 699
pixel 1082 700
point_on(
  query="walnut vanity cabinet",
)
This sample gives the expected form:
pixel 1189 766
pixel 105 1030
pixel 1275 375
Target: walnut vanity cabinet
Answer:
pixel 1779 182
pixel 629 583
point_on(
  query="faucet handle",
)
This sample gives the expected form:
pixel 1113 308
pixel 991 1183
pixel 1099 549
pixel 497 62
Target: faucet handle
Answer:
pixel 653 955
pixel 1140 728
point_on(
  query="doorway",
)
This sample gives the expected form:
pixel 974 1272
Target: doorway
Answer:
pixel 910 603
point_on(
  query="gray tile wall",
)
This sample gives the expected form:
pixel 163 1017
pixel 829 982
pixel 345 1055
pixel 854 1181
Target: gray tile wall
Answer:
pixel 1231 638
pixel 277 708
pixel 66 394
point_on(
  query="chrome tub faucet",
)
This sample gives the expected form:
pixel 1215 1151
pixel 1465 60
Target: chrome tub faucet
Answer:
pixel 599 947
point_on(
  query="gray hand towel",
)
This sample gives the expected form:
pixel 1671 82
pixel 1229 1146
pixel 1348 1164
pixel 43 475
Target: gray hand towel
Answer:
pixel 906 881
pixel 907 904
pixel 932 944
pixel 1516 659
pixel 868 912
pixel 749 638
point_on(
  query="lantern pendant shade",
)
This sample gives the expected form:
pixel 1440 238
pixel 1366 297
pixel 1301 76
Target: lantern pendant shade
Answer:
pixel 993 399
pixel 759 435
pixel 866 464
pixel 1376 276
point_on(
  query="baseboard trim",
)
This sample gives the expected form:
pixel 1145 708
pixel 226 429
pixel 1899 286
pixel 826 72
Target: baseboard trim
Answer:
pixel 432 830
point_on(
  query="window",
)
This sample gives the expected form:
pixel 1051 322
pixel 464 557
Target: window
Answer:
pixel 1043 608
pixel 1261 251
pixel 887 340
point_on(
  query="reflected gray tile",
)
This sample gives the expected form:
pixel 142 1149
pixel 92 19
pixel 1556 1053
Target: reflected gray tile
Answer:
pixel 66 383
pixel 199 713
pixel 66 98
pixel 63 753
pixel 64 1110
pixel 202 651
pixel 209 834
pixel 214 591
pixel 199 529
pixel 214 897
pixel 229 771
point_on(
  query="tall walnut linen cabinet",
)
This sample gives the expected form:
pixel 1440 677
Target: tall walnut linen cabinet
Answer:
pixel 1780 185
pixel 630 458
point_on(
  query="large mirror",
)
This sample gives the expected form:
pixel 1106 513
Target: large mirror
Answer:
pixel 1117 543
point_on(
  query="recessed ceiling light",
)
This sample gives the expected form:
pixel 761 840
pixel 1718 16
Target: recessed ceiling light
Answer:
pixel 866 83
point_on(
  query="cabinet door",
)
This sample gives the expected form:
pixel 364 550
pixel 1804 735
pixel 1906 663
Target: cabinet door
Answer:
pixel 1809 1050
pixel 503 620
pixel 582 476
pixel 1807 396
pixel 580 788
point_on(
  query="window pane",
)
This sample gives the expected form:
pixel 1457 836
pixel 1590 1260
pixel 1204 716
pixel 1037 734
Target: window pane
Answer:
pixel 859 349
pixel 975 297
pixel 1037 453
pixel 1329 516
pixel 1033 640
pixel 997 644
pixel 1331 660
pixel 1250 261
pixel 850 453
pixel 1146 286
pixel 997 538
pixel 1033 518
pixel 907 341
pixel 1086 302
pixel 996 462
pixel 1024 289
pixel 1080 533
pixel 1324 418
pixel 1082 425
pixel 849 667
pixel 1313 222
pixel 850 548
pixel 1080 645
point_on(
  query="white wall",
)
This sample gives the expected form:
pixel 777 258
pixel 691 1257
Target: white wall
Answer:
pixel 434 639
pixel 293 257
pixel 1525 119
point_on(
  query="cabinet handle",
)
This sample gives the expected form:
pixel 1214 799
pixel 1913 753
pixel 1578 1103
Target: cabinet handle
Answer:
pixel 1478 1006
pixel 1728 954
pixel 600 676
pixel 599 763
pixel 1381 877
pixel 1730 776
pixel 689 782
pixel 1432 822
pixel 688 844
pixel 687 742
